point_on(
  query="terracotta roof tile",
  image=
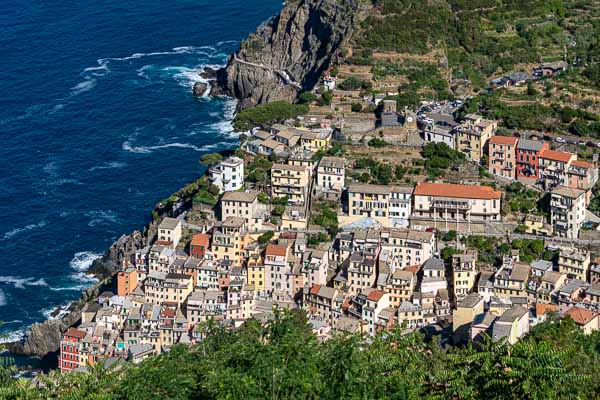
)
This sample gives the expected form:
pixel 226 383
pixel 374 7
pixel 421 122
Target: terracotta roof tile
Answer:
pixel 276 250
pixel 200 239
pixel 314 290
pixel 457 191
pixel 73 332
pixel 503 140
pixel 376 295
pixel 542 309
pixel 581 316
pixel 581 164
pixel 556 155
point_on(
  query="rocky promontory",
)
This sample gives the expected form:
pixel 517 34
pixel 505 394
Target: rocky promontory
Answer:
pixel 288 53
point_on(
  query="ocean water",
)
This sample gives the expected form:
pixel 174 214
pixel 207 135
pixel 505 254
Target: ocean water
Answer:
pixel 97 125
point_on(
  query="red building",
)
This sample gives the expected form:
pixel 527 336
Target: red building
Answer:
pixel 69 349
pixel 528 154
pixel 199 245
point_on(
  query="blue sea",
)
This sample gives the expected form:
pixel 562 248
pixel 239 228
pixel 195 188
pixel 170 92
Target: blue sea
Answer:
pixel 97 125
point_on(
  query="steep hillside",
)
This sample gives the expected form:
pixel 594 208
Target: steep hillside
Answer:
pixel 287 53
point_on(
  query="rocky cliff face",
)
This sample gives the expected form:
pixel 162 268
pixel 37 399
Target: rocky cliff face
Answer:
pixel 287 53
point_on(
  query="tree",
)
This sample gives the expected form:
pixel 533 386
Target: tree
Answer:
pixel 265 237
pixel 211 159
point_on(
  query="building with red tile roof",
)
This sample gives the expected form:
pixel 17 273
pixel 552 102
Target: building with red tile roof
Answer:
pixel 502 156
pixel 588 320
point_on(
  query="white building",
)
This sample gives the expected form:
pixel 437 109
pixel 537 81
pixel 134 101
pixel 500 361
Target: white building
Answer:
pixel 400 205
pixel 331 174
pixel 228 175
pixel 169 230
pixel 567 210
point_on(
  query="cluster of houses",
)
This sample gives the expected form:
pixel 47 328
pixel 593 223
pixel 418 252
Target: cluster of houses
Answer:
pixel 519 77
pixel 362 281
pixel 568 180
pixel 382 270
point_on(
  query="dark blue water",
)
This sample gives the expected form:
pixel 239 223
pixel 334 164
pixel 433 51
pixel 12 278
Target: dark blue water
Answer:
pixel 98 124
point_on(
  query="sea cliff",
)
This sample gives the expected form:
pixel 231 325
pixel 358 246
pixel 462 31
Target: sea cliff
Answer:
pixel 288 53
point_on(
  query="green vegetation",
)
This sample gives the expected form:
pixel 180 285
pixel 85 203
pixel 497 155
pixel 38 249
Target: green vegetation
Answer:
pixel 377 143
pixel 307 97
pixel 277 111
pixel 379 173
pixel 284 360
pixel 326 216
pixel 352 83
pixel 530 250
pixel 265 237
pixel 259 172
pixel 440 157
pixel 315 240
pixel 519 198
pixel 535 116
pixel 211 159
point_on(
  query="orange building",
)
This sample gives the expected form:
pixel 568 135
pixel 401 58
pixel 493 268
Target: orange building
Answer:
pixel 199 245
pixel 127 281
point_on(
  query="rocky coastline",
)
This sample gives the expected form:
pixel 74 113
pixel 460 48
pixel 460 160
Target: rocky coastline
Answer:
pixel 42 341
pixel 286 54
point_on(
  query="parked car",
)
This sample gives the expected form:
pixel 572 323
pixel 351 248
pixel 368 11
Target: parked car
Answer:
pixel 548 138
pixel 591 144
pixel 516 134
pixel 581 143
pixel 559 140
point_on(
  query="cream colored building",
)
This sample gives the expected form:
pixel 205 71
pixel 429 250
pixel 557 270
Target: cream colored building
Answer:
pixel 331 174
pixel 464 314
pixel 370 201
pixel 230 240
pixel 574 263
pixel 290 181
pixel 294 218
pixel 243 205
pixel 450 206
pixel 160 288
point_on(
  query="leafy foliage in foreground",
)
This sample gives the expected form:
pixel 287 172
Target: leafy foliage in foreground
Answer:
pixel 285 361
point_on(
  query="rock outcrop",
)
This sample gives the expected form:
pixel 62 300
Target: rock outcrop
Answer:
pixel 287 53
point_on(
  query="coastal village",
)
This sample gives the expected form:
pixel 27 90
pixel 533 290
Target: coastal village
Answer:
pixel 370 217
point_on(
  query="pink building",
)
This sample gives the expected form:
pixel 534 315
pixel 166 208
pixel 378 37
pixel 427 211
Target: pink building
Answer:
pixel 502 156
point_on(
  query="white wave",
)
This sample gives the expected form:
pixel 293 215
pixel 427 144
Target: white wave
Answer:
pixel 127 146
pixel 102 217
pixel 225 127
pixel 26 228
pixel 56 312
pixel 82 261
pixel 84 86
pixel 2 298
pixel 20 283
pixel 109 165
pixel 100 70
pixel 13 336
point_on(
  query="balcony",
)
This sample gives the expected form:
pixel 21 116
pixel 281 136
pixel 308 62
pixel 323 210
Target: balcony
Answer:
pixel 451 204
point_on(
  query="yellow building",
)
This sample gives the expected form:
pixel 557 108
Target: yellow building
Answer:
pixel 230 241
pixel 256 277
pixel 290 181
pixel 315 140
pixel 464 273
pixel 473 134
pixel 294 218
pixel 370 201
